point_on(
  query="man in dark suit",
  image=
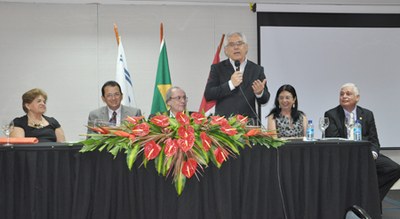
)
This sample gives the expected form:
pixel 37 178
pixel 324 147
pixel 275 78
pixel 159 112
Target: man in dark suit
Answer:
pixel 114 112
pixel 236 83
pixel 387 170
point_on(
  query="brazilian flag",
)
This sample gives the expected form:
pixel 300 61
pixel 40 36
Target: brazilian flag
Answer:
pixel 163 80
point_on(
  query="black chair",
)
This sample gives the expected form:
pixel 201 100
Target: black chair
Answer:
pixel 356 212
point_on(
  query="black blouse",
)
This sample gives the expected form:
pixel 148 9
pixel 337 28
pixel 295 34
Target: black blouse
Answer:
pixel 44 134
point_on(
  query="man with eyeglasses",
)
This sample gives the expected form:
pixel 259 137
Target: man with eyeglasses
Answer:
pixel 114 112
pixel 176 100
pixel 237 83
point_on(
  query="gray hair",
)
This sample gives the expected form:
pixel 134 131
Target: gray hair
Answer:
pixel 229 35
pixel 168 95
pixel 353 86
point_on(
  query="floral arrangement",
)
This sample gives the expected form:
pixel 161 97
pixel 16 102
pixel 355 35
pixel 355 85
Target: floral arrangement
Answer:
pixel 180 146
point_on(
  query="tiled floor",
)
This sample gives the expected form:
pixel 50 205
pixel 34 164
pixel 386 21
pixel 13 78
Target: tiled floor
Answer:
pixel 391 205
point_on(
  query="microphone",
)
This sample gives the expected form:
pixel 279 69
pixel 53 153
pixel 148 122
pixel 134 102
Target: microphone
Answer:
pixel 237 65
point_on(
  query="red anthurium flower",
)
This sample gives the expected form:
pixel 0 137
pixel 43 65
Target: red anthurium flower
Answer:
pixel 252 132
pixel 218 120
pixel 171 146
pixel 221 155
pixel 151 150
pixel 189 167
pixel 185 132
pixel 141 129
pixel 121 134
pixel 186 144
pixel 229 130
pixel 198 118
pixel 182 118
pixel 206 141
pixel 160 121
pixel 134 120
pixel 242 119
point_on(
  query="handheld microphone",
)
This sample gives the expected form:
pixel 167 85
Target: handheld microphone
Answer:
pixel 237 65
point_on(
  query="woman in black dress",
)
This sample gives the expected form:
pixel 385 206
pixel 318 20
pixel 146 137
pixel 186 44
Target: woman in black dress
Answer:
pixel 35 123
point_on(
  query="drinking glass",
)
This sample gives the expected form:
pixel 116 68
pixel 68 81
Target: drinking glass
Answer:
pixel 100 123
pixel 7 128
pixel 323 124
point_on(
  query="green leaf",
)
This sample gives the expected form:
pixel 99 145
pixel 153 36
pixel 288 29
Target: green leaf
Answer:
pixel 180 183
pixel 114 151
pixel 131 155
pixel 159 164
pixel 229 142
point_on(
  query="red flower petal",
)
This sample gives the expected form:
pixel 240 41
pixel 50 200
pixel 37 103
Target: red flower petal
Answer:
pixel 185 132
pixel 206 141
pixel 189 167
pixel 134 120
pixel 141 129
pixel 171 147
pixel 182 118
pixel 160 120
pixel 198 118
pixel 186 144
pixel 242 119
pixel 151 150
pixel 218 120
pixel 221 155
pixel 229 130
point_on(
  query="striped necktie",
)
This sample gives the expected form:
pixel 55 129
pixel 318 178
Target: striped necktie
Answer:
pixel 113 119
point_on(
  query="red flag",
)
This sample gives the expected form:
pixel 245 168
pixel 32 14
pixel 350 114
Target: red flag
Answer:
pixel 207 106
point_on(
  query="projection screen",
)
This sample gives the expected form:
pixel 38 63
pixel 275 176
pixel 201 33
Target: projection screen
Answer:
pixel 317 52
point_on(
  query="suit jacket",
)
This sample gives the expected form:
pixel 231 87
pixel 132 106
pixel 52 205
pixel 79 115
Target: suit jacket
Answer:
pixel 102 114
pixel 337 126
pixel 233 102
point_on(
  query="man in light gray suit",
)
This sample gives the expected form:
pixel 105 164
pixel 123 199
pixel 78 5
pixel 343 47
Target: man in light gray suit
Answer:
pixel 114 112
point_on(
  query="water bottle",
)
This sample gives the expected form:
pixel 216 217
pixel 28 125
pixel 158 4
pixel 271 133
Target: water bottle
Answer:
pixel 357 131
pixel 310 131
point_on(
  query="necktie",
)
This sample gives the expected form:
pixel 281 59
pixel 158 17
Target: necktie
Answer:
pixel 113 119
pixel 351 125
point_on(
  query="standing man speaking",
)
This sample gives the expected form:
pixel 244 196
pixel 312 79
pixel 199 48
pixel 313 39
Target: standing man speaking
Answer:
pixel 236 83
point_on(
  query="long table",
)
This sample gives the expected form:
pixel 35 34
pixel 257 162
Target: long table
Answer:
pixel 299 180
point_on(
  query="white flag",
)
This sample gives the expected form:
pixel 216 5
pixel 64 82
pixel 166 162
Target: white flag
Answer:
pixel 124 78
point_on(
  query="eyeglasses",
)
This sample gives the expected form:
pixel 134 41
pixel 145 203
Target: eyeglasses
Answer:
pixel 108 96
pixel 179 98
pixel 238 43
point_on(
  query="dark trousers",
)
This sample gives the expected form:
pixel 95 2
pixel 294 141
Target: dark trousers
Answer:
pixel 388 173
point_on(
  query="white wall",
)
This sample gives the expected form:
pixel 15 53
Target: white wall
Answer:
pixel 70 51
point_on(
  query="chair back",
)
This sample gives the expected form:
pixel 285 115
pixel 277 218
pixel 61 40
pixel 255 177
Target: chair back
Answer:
pixel 356 212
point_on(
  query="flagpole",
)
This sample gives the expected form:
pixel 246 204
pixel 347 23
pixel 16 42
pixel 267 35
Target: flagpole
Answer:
pixel 220 42
pixel 161 32
pixel 117 34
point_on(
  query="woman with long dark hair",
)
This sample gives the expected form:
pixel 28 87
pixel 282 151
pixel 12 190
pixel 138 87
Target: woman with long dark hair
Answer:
pixel 285 118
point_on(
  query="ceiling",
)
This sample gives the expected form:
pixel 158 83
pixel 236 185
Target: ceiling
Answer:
pixel 213 2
